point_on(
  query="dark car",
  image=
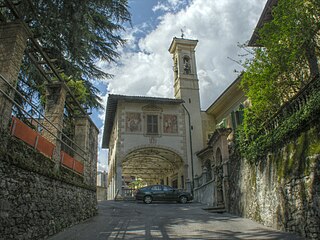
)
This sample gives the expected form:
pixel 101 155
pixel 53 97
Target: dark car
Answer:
pixel 162 193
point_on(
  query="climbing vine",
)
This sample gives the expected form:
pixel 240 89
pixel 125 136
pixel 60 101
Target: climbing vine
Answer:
pixel 287 61
pixel 265 141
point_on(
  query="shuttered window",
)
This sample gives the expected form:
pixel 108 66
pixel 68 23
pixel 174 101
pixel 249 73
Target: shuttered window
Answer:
pixel 152 124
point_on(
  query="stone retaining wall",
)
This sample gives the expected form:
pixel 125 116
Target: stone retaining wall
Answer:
pixel 283 190
pixel 39 198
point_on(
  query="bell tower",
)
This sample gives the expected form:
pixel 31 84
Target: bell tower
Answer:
pixel 186 87
pixel 186 84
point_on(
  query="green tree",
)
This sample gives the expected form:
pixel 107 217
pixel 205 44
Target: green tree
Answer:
pixel 77 33
pixel 288 59
pixel 138 183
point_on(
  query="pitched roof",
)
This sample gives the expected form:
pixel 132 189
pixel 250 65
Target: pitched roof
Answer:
pixel 266 16
pixel 232 95
pixel 112 105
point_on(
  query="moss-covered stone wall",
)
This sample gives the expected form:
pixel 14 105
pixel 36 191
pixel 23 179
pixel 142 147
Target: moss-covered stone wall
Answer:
pixel 39 198
pixel 282 190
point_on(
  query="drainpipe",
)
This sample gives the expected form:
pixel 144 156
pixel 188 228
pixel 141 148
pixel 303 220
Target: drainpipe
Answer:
pixel 191 152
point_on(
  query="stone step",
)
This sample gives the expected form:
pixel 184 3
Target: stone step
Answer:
pixel 215 209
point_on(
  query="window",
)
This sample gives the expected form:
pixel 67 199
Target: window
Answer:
pixel 167 188
pixel 152 124
pixel 156 188
pixel 239 115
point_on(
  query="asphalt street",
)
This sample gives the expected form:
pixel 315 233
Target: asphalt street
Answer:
pixel 136 220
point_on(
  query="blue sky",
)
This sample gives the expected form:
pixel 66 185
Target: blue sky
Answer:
pixel 145 65
pixel 142 11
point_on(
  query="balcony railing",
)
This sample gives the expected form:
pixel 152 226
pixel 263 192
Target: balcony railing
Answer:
pixel 31 132
pixel 294 105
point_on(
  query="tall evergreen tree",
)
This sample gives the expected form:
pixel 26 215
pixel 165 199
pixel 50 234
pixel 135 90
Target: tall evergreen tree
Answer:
pixel 77 33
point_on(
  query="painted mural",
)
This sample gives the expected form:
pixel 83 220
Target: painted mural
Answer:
pixel 170 124
pixel 133 122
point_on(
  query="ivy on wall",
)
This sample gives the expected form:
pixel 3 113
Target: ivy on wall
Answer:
pixel 278 71
pixel 257 147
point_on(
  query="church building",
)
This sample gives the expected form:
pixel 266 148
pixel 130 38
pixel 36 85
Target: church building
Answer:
pixel 158 140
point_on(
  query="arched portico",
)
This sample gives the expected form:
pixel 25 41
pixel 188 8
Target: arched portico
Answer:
pixel 152 164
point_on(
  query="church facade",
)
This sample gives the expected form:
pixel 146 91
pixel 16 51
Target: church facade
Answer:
pixel 158 140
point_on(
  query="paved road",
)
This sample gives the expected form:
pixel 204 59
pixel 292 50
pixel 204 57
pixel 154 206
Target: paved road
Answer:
pixel 132 220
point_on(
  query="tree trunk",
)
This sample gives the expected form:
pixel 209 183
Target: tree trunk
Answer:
pixel 312 59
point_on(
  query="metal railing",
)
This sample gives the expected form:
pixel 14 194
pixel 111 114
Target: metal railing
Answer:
pixel 49 72
pixel 128 192
pixel 294 105
pixel 40 59
pixel 204 178
pixel 80 152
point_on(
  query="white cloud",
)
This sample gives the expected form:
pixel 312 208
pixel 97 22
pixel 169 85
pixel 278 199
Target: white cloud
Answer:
pixel 102 164
pixel 218 25
pixel 170 5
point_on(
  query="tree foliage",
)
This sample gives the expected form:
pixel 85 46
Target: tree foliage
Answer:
pixel 76 34
pixel 286 62
pixel 138 183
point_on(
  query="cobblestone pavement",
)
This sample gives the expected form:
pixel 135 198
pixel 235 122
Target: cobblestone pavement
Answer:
pixel 135 220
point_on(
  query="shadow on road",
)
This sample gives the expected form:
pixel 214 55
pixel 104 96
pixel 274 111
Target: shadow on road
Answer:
pixel 132 220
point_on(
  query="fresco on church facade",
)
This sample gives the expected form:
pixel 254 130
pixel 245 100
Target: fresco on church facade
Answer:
pixel 170 124
pixel 133 122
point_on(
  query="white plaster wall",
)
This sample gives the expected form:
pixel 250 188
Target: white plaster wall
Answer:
pixel 130 141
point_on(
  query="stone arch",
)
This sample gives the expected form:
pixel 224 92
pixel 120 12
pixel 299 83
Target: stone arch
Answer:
pixel 124 154
pixel 151 163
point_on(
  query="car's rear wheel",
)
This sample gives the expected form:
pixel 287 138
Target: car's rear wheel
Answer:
pixel 183 199
pixel 147 199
